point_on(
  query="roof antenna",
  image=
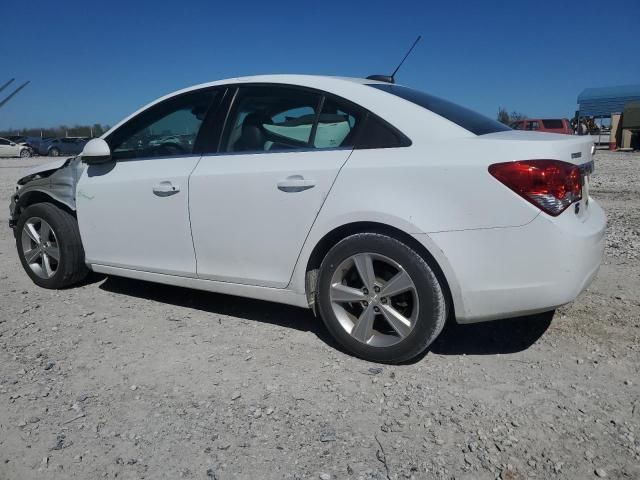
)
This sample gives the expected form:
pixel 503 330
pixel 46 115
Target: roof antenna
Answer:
pixel 391 78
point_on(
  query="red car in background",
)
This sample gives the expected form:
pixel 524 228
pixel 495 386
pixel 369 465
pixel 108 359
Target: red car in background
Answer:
pixel 551 125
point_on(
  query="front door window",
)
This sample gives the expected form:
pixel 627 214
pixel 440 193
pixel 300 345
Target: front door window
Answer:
pixel 168 129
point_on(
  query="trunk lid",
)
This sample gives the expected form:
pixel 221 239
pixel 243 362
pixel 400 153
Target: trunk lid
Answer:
pixel 576 149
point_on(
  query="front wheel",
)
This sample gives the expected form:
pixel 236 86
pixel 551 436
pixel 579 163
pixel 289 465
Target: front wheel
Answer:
pixel 380 299
pixel 25 152
pixel 49 246
pixel 54 152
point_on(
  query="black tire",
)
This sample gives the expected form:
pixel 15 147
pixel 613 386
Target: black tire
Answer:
pixel 25 152
pixel 432 313
pixel 71 267
pixel 54 152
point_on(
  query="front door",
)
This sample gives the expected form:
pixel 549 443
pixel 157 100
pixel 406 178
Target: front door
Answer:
pixel 133 211
pixel 253 203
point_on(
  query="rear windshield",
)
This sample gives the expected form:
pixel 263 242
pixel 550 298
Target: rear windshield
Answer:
pixel 467 119
pixel 552 123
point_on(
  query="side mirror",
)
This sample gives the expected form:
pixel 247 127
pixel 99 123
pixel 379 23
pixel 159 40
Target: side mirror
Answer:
pixel 96 151
pixel 13 144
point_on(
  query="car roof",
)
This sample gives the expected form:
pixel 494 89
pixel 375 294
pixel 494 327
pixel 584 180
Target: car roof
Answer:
pixel 295 79
pixel 312 81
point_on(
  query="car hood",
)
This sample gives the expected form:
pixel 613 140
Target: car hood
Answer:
pixel 47 167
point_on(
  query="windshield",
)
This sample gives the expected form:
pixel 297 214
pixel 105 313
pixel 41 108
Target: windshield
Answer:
pixel 467 119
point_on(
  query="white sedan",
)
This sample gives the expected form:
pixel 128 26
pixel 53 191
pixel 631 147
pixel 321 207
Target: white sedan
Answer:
pixel 9 148
pixel 384 209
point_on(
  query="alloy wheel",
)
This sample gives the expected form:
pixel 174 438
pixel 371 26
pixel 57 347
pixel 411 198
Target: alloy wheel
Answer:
pixel 40 247
pixel 374 299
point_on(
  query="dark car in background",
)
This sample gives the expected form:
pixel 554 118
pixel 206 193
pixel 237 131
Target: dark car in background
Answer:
pixel 551 125
pixel 55 147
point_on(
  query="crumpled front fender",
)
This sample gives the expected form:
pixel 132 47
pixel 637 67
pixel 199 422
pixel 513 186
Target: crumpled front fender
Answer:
pixel 57 184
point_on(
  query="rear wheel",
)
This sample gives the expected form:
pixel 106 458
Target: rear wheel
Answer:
pixel 54 152
pixel 49 246
pixel 380 299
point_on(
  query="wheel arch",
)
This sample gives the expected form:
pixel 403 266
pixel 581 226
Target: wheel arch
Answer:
pixel 38 196
pixel 334 236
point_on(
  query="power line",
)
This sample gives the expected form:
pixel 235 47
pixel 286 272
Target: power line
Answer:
pixel 7 84
pixel 14 93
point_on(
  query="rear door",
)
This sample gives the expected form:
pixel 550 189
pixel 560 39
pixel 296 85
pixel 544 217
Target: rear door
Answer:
pixel 133 212
pixel 252 203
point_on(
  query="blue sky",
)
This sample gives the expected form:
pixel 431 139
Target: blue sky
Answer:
pixel 89 64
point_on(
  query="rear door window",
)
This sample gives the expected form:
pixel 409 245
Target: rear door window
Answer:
pixel 337 125
pixel 276 118
pixel 271 118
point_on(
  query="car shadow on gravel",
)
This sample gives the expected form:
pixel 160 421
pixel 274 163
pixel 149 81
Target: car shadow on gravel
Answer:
pixel 487 338
pixel 220 304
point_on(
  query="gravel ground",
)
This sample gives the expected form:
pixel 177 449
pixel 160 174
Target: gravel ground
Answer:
pixel 121 378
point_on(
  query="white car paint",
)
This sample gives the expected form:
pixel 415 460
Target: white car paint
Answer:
pixel 255 208
pixel 501 256
pixel 10 149
pixel 137 215
pixel 46 167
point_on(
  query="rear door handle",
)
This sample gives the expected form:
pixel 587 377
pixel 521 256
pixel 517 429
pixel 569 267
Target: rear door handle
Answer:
pixel 166 188
pixel 295 183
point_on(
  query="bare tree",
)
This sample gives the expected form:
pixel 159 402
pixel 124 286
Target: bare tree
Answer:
pixel 503 116
pixel 508 118
pixel 515 116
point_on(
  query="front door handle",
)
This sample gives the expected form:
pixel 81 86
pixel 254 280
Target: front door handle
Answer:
pixel 295 183
pixel 166 188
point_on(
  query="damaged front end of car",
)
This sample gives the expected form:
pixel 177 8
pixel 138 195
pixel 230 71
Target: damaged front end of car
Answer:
pixel 53 182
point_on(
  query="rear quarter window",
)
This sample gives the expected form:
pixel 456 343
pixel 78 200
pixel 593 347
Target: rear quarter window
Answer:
pixel 378 134
pixel 465 118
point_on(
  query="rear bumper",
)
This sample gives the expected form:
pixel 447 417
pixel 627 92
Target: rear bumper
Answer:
pixel 509 272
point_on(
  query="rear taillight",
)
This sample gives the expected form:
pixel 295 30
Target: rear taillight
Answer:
pixel 550 185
